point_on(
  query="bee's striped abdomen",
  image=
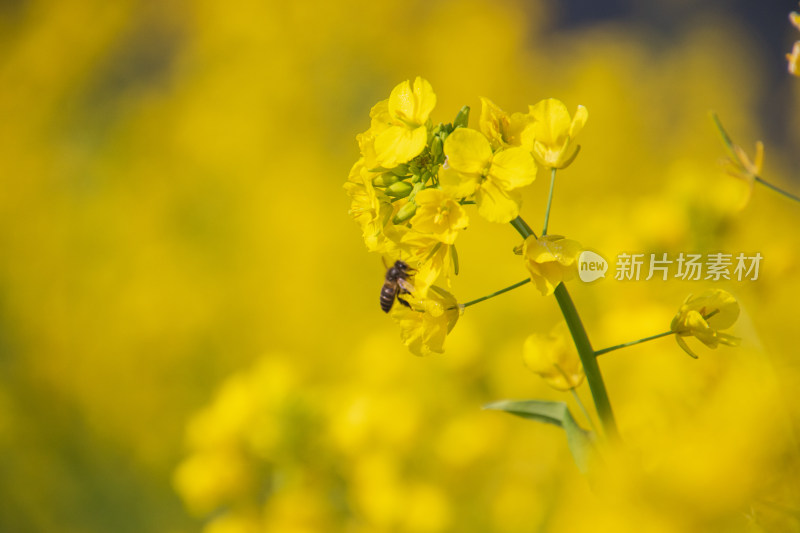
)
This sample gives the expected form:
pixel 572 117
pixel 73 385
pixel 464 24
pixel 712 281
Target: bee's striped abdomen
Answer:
pixel 388 292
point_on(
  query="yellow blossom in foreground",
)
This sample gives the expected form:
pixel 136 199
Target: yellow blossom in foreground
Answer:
pixel 550 259
pixel 554 358
pixel 503 130
pixel 398 130
pixel 424 326
pixel 368 207
pixel 472 169
pixel 554 132
pixel 438 215
pixel 702 317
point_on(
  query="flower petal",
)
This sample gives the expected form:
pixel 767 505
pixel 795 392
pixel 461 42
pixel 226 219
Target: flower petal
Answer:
pixel 493 122
pixel 458 184
pixel 513 168
pixel 496 204
pixel 468 151
pixel 412 105
pixel 398 144
pixel 552 121
pixel 578 121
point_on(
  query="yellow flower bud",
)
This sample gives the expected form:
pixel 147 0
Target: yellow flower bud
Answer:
pixel 405 212
pixel 554 358
pixel 399 189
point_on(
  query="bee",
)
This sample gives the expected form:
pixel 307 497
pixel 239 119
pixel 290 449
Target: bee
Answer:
pixel 396 284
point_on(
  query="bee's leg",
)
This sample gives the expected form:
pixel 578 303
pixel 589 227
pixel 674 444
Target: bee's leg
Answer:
pixel 403 302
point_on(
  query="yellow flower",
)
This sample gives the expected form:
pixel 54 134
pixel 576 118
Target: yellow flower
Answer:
pixel 438 215
pixel 368 207
pixel 554 358
pixel 741 167
pixel 703 316
pixel 503 130
pixel 398 130
pixel 432 259
pixel 738 164
pixel 554 132
pixel 550 259
pixel 424 326
pixel 794 58
pixel 472 169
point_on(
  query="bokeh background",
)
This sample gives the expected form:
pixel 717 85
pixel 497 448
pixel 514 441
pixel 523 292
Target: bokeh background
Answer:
pixel 190 337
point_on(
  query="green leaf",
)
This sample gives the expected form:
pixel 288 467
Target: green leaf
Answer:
pixel 580 441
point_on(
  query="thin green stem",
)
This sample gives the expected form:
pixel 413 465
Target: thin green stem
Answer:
pixel 650 338
pixel 726 139
pixel 497 293
pixel 632 343
pixel 777 189
pixel 523 228
pixel 549 200
pixel 584 347
pixel 583 410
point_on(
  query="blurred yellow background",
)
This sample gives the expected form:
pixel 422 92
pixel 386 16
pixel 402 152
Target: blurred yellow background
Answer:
pixel 190 336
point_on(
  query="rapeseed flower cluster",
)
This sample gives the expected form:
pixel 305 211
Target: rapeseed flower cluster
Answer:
pixel 411 187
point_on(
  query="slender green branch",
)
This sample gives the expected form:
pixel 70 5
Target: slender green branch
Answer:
pixel 632 343
pixel 585 351
pixel 726 139
pixel 549 200
pixel 523 228
pixel 650 338
pixel 777 189
pixel 497 293
pixel 583 410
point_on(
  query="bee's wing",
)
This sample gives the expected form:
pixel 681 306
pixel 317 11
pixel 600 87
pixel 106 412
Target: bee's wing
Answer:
pixel 405 286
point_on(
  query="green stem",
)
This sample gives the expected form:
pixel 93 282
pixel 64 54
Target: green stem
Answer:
pixel 777 189
pixel 632 343
pixel 549 200
pixel 523 228
pixel 650 338
pixel 726 139
pixel 584 347
pixel 590 367
pixel 497 293
pixel 583 410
